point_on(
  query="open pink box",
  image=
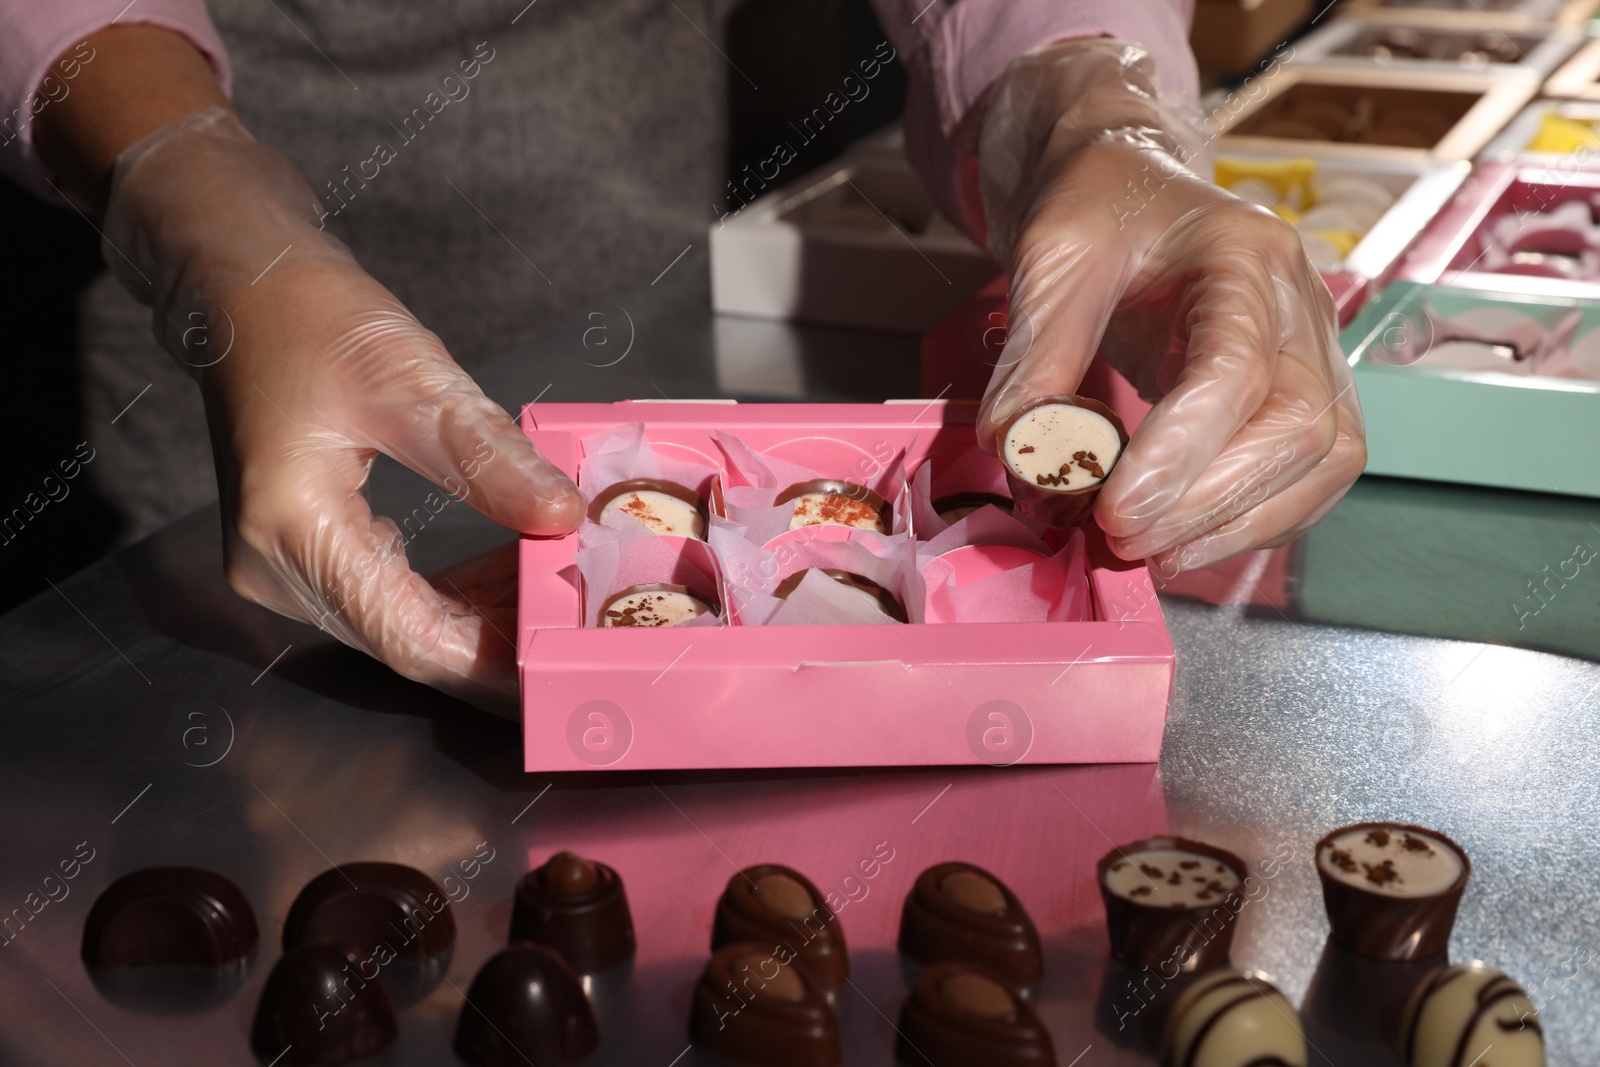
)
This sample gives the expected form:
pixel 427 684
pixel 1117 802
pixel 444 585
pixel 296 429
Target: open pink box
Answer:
pixel 820 696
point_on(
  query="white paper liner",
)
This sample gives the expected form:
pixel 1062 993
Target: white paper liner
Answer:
pixel 622 453
pixel 755 481
pixel 614 557
pixel 1054 589
pixel 974 471
pixel 753 572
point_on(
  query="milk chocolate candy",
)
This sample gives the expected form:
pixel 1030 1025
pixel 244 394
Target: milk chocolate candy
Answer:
pixel 664 507
pixel 831 502
pixel 526 1005
pixel 756 1004
pixel 577 907
pixel 956 911
pixel 1391 889
pixel 395 914
pixel 957 506
pixel 963 1015
pixel 778 906
pixel 322 1006
pixel 656 604
pixel 1471 1014
pixel 880 597
pixel 1229 1019
pixel 1171 903
pixel 1057 450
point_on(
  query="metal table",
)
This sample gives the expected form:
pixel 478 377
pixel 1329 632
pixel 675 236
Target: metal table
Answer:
pixel 160 720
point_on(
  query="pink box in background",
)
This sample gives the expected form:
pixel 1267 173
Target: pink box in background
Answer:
pixel 823 696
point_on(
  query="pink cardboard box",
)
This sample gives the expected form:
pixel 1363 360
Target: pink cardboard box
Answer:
pixel 826 696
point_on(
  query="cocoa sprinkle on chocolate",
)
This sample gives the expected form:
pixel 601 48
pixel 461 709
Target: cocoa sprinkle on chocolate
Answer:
pixel 1382 873
pixel 1024 450
pixel 1139 891
pixel 1412 843
pixel 1343 860
pixel 1189 865
pixel 1152 871
pixel 1379 838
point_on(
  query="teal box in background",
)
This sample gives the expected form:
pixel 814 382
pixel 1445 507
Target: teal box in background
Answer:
pixel 1478 427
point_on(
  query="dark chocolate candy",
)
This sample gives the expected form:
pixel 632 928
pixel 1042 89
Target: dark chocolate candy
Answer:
pixel 847 504
pixel 962 1015
pixel 1167 939
pixel 1056 507
pixel 577 907
pixel 322 1006
pixel 644 514
pixel 956 911
pixel 778 906
pixel 526 1005
pixel 886 600
pixel 395 914
pixel 756 1005
pixel 1388 927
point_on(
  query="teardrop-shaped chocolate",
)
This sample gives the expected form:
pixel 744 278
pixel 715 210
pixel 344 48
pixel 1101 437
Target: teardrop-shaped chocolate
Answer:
pixel 957 911
pixel 756 1005
pixel 962 1015
pixel 777 905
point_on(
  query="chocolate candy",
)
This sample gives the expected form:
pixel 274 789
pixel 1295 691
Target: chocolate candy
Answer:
pixel 758 1005
pixel 957 506
pixel 664 507
pixel 778 906
pixel 322 1006
pixel 656 604
pixel 1057 450
pixel 1356 1001
pixel 1391 889
pixel 1471 1014
pixel 395 915
pixel 526 1005
pixel 1171 903
pixel 956 911
pixel 870 590
pixel 577 907
pixel 831 502
pixel 963 1015
pixel 1229 1019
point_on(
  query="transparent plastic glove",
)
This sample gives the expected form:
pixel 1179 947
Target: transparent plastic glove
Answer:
pixel 1207 304
pixel 310 368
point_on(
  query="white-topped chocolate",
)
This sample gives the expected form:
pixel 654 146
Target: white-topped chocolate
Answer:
pixel 1229 1019
pixel 1169 877
pixel 1391 861
pixel 829 502
pixel 663 507
pixel 1471 1014
pixel 1061 447
pixel 653 605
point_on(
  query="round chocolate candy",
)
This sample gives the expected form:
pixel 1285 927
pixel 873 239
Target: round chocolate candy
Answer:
pixel 957 506
pixel 778 906
pixel 1229 1019
pixel 322 1006
pixel 756 1004
pixel 655 604
pixel 395 914
pixel 664 507
pixel 956 911
pixel 831 502
pixel 870 591
pixel 1459 1015
pixel 962 1015
pixel 577 907
pixel 1057 450
pixel 1391 889
pixel 526 1005
pixel 1171 903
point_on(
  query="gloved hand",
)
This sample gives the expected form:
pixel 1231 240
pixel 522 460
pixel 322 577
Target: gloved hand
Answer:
pixel 310 368
pixel 1207 304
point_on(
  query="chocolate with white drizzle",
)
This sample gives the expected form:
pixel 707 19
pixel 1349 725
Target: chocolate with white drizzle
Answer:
pixel 1230 1019
pixel 1460 1014
pixel 1391 889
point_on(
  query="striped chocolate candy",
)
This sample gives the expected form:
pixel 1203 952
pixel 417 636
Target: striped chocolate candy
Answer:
pixel 1230 1019
pixel 1471 1014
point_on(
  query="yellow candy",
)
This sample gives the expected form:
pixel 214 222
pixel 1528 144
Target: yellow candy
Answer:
pixel 1343 240
pixel 1287 176
pixel 1560 135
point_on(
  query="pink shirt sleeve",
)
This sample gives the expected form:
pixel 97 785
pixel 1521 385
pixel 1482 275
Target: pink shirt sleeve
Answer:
pixel 955 49
pixel 43 48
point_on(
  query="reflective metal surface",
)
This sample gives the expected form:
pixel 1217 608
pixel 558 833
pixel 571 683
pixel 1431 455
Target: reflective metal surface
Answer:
pixel 155 717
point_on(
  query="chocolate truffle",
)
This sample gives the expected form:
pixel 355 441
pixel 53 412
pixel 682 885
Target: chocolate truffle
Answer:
pixel 778 906
pixel 526 1005
pixel 830 502
pixel 756 1004
pixel 1458 1014
pixel 664 507
pixel 957 506
pixel 962 1015
pixel 870 591
pixel 321 1007
pixel 577 907
pixel 395 914
pixel 654 605
pixel 1391 889
pixel 1057 451
pixel 1229 1019
pixel 956 911
pixel 1171 902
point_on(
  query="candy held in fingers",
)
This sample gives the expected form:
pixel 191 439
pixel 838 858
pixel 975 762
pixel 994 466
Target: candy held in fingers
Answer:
pixel 655 604
pixel 956 911
pixel 526 1005
pixel 870 592
pixel 1471 1014
pixel 577 907
pixel 777 905
pixel 1171 902
pixel 1391 889
pixel 664 507
pixel 1229 1019
pixel 1057 451
pixel 754 1004
pixel 963 1015
pixel 830 502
